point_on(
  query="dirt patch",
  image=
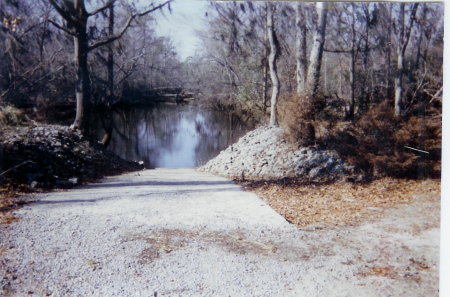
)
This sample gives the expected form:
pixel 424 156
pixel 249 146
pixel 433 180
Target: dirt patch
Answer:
pixel 7 218
pixel 342 202
pixel 8 203
pixel 169 240
pixel 409 271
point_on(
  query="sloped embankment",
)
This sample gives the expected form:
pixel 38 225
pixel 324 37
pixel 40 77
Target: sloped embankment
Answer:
pixel 262 154
pixel 53 156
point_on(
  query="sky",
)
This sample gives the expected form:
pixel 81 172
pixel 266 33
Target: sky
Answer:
pixel 180 25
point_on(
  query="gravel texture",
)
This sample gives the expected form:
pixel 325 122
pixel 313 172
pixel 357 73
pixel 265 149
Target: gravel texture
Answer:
pixel 263 154
pixel 178 232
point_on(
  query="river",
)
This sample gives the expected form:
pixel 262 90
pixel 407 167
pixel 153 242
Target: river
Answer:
pixel 171 135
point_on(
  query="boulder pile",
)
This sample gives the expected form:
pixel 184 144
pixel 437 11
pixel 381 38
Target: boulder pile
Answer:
pixel 53 156
pixel 263 154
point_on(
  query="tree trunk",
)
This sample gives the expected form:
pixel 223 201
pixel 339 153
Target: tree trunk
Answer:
pixel 274 52
pixel 265 61
pixel 265 87
pixel 398 86
pixel 82 89
pixel 424 21
pixel 325 72
pixel 388 55
pixel 75 15
pixel 367 36
pixel 366 91
pixel 403 39
pixel 110 89
pixel 340 78
pixel 301 54
pixel 43 35
pixel 418 48
pixel 399 72
pixel 110 58
pixel 351 112
pixel 313 76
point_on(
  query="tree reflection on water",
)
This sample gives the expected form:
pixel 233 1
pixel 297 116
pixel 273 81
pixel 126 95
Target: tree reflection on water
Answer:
pixel 169 135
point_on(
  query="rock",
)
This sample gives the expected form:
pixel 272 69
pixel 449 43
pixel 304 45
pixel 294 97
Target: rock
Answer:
pixel 269 157
pixel 330 163
pixel 35 185
pixel 338 169
pixel 317 172
pixel 74 181
pixel 38 154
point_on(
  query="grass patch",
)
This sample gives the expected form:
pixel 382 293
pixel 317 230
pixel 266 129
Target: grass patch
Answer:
pixel 11 116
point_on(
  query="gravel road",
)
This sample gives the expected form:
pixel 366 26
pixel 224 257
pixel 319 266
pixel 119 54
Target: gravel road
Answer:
pixel 178 232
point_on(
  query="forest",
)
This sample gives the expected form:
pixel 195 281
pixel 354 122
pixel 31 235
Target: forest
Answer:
pixel 364 79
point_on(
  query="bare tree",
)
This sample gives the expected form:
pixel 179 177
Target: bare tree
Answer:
pixel 29 59
pixel 403 34
pixel 384 27
pixel 76 17
pixel 301 53
pixel 274 53
pixel 351 112
pixel 349 18
pixel 110 58
pixel 315 61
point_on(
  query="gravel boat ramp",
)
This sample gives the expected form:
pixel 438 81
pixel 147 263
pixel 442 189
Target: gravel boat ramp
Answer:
pixel 179 232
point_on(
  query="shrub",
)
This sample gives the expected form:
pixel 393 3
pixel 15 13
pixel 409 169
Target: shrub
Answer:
pixel 297 118
pixel 11 116
pixel 382 145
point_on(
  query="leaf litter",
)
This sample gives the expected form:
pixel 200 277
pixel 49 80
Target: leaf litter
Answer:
pixel 339 203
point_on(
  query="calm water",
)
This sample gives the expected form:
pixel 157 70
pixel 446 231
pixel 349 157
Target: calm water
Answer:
pixel 170 135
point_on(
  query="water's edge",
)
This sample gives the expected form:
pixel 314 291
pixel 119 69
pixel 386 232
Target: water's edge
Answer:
pixel 170 135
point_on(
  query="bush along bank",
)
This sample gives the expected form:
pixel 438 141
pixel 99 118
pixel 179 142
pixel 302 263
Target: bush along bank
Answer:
pixel 53 156
pixel 263 154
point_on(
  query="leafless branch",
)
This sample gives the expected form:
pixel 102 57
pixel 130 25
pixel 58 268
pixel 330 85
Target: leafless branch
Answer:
pixel 10 169
pixel 127 25
pixel 435 95
pixel 328 50
pixel 102 8
pixel 131 69
pixel 61 11
pixel 62 28
pixel 412 18
pixel 29 73
pixel 417 90
pixel 29 29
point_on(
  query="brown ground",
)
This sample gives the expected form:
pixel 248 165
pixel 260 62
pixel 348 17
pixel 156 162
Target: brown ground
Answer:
pixel 341 202
pixel 7 204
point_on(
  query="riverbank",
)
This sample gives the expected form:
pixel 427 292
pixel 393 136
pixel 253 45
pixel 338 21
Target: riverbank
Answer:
pixel 145 229
pixel 310 187
pixel 263 154
pixel 37 158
